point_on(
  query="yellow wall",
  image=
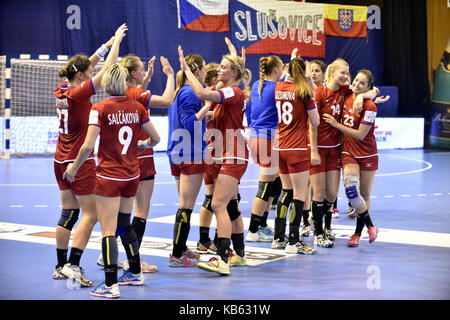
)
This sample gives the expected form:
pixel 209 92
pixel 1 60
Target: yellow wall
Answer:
pixel 438 23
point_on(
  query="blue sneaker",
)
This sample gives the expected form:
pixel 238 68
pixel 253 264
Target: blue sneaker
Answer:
pixel 265 234
pixel 106 292
pixel 130 279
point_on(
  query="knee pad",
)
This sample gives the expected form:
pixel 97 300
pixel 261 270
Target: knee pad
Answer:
pixel 351 184
pixel 264 190
pixel 233 209
pixel 207 203
pixel 183 215
pixel 68 218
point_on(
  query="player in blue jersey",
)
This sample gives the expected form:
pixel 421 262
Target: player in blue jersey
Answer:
pixel 185 149
pixel 264 120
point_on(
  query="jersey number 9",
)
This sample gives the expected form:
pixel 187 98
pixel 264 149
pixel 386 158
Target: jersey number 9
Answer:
pixel 125 137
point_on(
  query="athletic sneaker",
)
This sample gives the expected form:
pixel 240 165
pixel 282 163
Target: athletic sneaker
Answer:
pixel 212 248
pixel 265 234
pixel 329 233
pixel 202 248
pixel 302 248
pixel 354 241
pixel 183 261
pixel 192 254
pixel 76 273
pixel 107 292
pixel 130 279
pixel 373 233
pixel 252 236
pixel 235 259
pixel 305 231
pixel 145 267
pixel 215 265
pixel 352 213
pixel 57 275
pixel 322 241
pixel 100 262
pixel 335 213
pixel 279 244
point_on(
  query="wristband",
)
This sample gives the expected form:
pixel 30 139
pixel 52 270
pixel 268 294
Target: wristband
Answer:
pixel 102 51
pixel 146 143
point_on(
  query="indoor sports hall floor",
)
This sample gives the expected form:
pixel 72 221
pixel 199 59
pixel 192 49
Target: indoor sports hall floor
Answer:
pixel 409 260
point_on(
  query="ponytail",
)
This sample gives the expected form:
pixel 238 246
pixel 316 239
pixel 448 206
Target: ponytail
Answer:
pixel 266 67
pixel 195 62
pixel 74 65
pixel 297 69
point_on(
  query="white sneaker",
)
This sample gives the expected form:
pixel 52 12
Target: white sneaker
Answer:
pixel 322 241
pixel 279 244
pixel 120 264
pixel 305 231
pixel 77 274
pixel 252 237
pixel 57 275
pixel 291 248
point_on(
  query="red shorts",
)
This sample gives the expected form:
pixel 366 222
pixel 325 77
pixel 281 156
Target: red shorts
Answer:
pixel 211 173
pixel 367 164
pixel 84 183
pixel 147 167
pixel 294 161
pixel 187 168
pixel 330 159
pixel 262 152
pixel 115 188
pixel 235 170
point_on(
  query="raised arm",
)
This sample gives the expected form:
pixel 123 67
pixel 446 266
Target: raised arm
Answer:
pixel 101 52
pixel 200 92
pixel 112 56
pixel 166 99
pixel 148 74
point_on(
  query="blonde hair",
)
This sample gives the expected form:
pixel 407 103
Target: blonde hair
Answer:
pixel 75 64
pixel 297 68
pixel 211 72
pixel 237 63
pixel 195 62
pixel 266 66
pixel 130 62
pixel 336 64
pixel 114 81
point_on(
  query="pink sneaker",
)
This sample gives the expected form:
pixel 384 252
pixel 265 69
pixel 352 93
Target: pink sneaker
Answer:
pixel 354 241
pixel 192 254
pixel 373 233
pixel 183 261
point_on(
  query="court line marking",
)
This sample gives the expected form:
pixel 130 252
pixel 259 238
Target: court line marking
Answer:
pixel 153 246
pixel 398 236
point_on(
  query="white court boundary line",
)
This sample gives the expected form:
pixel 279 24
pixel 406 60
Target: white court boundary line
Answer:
pixel 398 236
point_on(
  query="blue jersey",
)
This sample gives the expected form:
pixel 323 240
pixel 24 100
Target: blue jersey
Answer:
pixel 264 115
pixel 186 141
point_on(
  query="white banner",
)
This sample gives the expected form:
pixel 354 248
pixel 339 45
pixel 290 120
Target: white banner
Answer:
pixel 39 134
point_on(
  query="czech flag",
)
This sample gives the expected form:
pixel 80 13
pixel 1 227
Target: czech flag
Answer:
pixel 277 27
pixel 345 21
pixel 203 15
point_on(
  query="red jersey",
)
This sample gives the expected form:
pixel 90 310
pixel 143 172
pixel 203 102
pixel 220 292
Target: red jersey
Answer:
pixel 120 119
pixel 368 146
pixel 292 117
pixel 228 117
pixel 330 102
pixel 72 106
pixel 143 97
